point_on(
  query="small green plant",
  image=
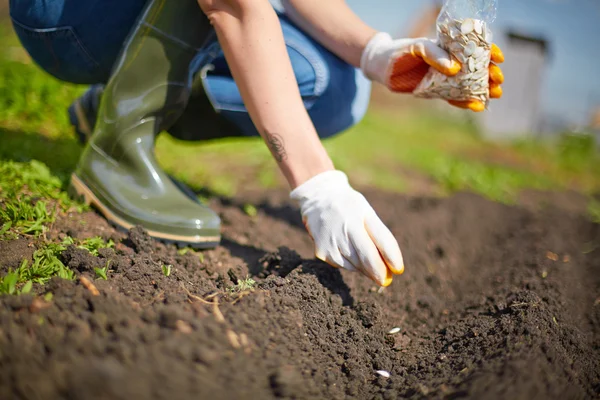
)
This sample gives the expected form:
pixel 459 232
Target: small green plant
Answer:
pixel 92 244
pixel 243 285
pixel 26 287
pixel 9 283
pixel 44 267
pixel 96 243
pixel 166 270
pixel 101 273
pixel 183 251
pixel 24 215
pixel 250 210
pixel 30 198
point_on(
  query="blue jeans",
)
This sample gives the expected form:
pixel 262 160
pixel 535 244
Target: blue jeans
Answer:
pixel 78 41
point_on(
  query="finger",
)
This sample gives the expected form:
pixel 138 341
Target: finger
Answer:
pixel 473 105
pixel 371 262
pixel 305 222
pixel 386 243
pixel 335 259
pixel 436 57
pixel 496 74
pixel 495 90
pixel 496 54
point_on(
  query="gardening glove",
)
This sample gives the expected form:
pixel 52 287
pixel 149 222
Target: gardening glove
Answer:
pixel 401 64
pixel 346 230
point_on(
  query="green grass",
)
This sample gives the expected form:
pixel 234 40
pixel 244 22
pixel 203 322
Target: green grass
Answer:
pixel 92 244
pixel 30 197
pixel 405 151
pixel 46 265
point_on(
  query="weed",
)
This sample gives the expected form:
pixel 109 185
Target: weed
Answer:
pixel 166 270
pixel 101 273
pixel 250 210
pixel 243 285
pixel 183 251
pixel 30 196
pixel 45 266
pixel 92 244
pixel 8 282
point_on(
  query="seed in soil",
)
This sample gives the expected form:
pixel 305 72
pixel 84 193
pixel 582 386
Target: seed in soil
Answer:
pixel 383 373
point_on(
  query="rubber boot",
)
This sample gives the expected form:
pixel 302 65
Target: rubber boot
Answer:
pixel 147 92
pixel 199 121
pixel 83 112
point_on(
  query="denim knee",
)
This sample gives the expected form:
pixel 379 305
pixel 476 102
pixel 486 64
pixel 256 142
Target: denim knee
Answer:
pixel 335 94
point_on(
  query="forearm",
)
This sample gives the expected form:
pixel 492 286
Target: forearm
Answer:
pixel 251 37
pixel 333 24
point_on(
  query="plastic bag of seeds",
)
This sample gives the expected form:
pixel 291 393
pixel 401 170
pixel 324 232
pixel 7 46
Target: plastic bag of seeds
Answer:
pixel 463 31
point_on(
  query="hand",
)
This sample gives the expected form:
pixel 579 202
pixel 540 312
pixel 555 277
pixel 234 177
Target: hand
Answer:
pixel 346 230
pixel 401 64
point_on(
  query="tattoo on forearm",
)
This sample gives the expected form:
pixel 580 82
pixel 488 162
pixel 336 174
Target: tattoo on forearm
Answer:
pixel 275 143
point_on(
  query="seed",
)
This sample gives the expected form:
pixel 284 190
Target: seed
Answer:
pixel 478 26
pixel 478 52
pixel 470 48
pixel 385 374
pixel 467 26
pixel 467 41
pixel 394 330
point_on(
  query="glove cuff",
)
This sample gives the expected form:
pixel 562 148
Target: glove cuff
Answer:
pixel 317 185
pixel 374 60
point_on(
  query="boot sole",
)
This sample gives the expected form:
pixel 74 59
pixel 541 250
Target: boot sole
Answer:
pixel 82 191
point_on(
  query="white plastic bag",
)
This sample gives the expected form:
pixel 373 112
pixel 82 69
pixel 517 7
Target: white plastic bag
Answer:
pixel 463 30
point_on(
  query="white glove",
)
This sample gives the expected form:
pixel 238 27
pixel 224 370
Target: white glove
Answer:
pixel 346 230
pixel 401 64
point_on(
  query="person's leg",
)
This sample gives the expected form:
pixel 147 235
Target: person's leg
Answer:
pixel 148 90
pixel 75 41
pixel 335 94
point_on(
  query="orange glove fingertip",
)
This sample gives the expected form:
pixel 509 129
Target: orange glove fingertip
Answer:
pixel 496 74
pixel 495 91
pixel 473 105
pixel 496 54
pixel 389 277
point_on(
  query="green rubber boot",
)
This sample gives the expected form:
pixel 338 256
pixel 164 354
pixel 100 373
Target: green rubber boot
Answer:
pixel 147 93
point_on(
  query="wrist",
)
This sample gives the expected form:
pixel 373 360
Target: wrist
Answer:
pixel 374 60
pixel 302 174
pixel 320 184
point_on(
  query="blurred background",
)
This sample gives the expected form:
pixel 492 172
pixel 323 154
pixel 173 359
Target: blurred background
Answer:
pixel 543 135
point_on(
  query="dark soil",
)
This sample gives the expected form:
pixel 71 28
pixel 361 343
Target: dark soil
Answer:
pixel 497 302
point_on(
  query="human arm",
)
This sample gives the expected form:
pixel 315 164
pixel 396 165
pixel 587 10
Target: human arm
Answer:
pixel 346 231
pixel 398 64
pixel 251 38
